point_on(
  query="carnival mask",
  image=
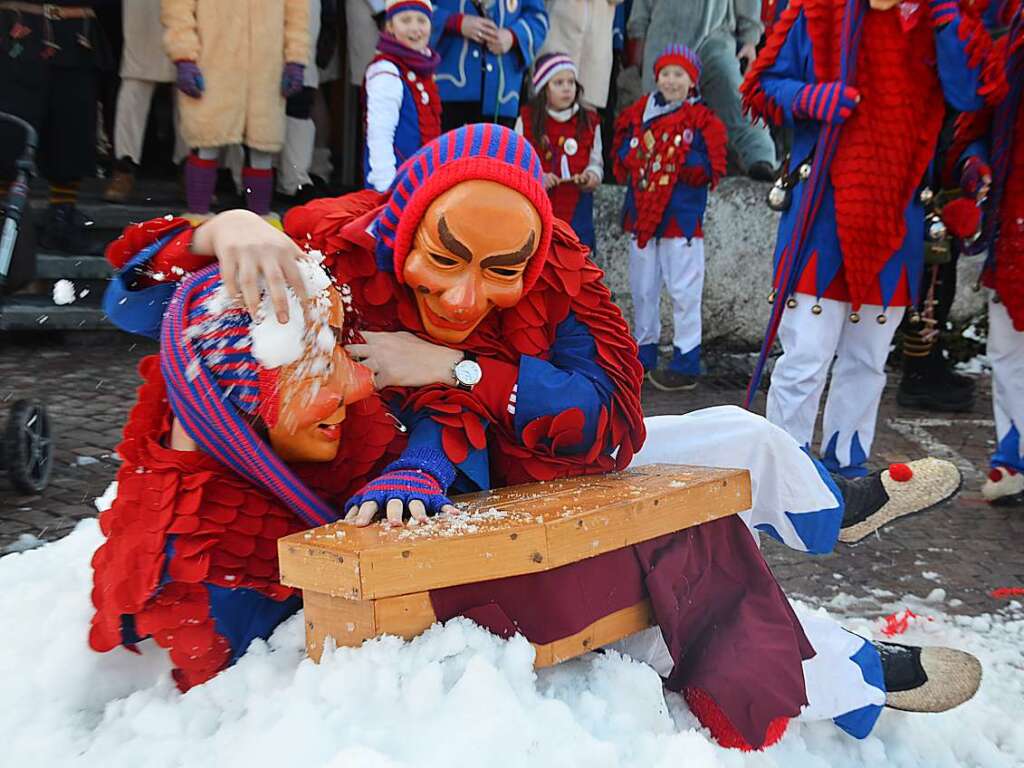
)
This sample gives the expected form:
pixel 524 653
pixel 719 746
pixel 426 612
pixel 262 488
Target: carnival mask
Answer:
pixel 469 255
pixel 314 393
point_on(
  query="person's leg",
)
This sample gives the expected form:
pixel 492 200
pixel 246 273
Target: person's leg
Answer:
pixel 133 102
pixel 682 264
pixel 201 179
pixel 719 83
pixel 297 153
pixel 809 343
pixel 645 285
pixel 258 180
pixel 321 166
pixel 858 379
pixel 1005 484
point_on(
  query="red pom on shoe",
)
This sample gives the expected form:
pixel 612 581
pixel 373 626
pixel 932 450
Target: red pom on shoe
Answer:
pixel 724 732
pixel 995 475
pixel 901 473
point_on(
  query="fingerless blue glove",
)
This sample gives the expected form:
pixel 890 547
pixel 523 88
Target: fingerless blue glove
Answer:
pixel 421 474
pixel 827 102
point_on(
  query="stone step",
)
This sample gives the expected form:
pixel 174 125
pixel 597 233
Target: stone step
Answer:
pixel 110 217
pixel 23 312
pixel 57 266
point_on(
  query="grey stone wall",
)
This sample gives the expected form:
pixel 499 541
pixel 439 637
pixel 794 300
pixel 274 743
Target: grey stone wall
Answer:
pixel 739 239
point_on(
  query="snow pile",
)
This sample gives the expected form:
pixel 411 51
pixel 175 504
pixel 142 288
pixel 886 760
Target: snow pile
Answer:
pixel 63 292
pixel 456 696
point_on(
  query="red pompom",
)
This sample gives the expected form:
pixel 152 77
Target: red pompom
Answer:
pixel 724 732
pixel 901 473
pixel 962 217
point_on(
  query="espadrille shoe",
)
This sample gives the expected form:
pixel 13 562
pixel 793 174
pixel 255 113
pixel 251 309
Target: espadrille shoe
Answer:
pixel 927 679
pixel 900 490
pixel 1004 487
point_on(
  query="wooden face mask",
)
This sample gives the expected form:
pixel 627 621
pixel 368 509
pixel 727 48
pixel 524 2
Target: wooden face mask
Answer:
pixel 313 399
pixel 469 255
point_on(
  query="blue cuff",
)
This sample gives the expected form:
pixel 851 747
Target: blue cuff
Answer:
pixel 137 310
pixel 425 434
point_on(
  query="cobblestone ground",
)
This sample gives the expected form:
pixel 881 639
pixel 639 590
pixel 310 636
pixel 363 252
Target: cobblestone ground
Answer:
pixel 965 548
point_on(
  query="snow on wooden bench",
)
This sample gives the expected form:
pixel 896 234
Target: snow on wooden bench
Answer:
pixel 359 583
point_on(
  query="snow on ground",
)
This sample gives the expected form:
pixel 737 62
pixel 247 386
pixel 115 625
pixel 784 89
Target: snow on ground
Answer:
pixel 63 292
pixel 456 696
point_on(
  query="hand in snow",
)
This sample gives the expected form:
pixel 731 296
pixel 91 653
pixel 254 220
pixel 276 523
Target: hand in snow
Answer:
pixel 400 359
pixel 252 253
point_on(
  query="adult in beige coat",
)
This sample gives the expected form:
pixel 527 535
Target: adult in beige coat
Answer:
pixel 236 62
pixel 583 29
pixel 144 66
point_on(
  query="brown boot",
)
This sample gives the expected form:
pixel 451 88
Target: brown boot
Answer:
pixel 120 188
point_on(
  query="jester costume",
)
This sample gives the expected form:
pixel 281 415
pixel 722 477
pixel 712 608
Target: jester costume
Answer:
pixel 402 103
pixel 864 92
pixel 668 154
pixel 559 397
pixel 991 142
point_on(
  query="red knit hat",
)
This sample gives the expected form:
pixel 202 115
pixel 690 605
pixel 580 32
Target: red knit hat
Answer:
pixel 478 151
pixel 680 55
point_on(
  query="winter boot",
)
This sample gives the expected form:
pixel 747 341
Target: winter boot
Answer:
pixel 122 183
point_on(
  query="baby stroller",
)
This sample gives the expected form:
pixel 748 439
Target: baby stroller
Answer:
pixel 26 443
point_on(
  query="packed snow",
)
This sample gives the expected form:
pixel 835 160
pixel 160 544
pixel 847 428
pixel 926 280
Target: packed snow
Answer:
pixel 63 292
pixel 455 696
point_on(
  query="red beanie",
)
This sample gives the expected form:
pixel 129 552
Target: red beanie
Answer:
pixel 682 56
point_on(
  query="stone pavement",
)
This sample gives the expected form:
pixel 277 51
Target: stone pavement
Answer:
pixel 965 548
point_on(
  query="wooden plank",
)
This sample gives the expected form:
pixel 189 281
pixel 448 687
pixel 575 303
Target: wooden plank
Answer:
pixel 405 615
pixel 349 622
pixel 511 531
pixel 607 629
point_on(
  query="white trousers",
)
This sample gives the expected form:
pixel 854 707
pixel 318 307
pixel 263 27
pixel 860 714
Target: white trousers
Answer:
pixel 296 156
pixel 790 494
pixel 680 263
pixel 810 343
pixel 133 101
pixel 1006 354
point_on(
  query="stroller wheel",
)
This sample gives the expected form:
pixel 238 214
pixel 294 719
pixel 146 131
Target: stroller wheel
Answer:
pixel 28 446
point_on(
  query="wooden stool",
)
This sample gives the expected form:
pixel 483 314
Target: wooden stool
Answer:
pixel 358 583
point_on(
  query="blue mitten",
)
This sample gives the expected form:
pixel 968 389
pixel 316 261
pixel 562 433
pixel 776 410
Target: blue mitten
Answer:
pixel 421 474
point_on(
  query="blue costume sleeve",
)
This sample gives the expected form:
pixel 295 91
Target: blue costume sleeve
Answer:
pixel 474 473
pixel 960 81
pixel 439 21
pixel 134 309
pixel 531 29
pixel 792 70
pixel 570 378
pixel 698 154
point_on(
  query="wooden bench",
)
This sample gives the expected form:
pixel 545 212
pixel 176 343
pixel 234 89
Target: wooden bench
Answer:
pixel 358 583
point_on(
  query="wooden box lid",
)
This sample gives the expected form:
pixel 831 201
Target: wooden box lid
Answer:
pixel 511 531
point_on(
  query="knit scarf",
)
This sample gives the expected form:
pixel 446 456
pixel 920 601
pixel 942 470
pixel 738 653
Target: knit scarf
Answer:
pixel 423 64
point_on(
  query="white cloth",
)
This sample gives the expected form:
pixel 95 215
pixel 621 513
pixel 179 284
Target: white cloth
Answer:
pixel 596 162
pixel 809 344
pixel 296 158
pixel 680 263
pixel 311 75
pixel 133 101
pixel 361 36
pixel 384 92
pixel 1006 355
pixel 143 56
pixel 784 479
pixel 583 30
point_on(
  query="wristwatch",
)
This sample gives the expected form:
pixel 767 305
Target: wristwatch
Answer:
pixel 467 372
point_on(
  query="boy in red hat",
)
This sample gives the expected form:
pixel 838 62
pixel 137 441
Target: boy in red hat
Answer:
pixel 669 149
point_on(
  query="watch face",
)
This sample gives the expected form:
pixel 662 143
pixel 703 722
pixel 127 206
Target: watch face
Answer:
pixel 468 373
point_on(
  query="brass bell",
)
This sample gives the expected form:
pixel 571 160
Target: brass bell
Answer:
pixel 771 297
pixel 816 309
pixel 881 319
pixel 854 317
pixel 791 303
pixel 805 171
pixel 927 195
pixel 936 229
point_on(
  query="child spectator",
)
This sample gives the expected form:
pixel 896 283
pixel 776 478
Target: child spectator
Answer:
pixel 403 108
pixel 567 137
pixel 669 149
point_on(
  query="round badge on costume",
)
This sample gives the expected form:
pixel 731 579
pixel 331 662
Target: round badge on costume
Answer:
pixel 570 147
pixel 634 143
pixel 688 136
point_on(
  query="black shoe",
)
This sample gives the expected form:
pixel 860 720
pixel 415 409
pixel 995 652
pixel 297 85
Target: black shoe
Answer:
pixel 66 230
pixel 936 392
pixel 670 381
pixel 762 170
pixel 903 489
pixel 927 679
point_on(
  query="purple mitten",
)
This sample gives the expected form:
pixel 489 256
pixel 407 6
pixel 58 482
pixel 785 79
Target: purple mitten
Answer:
pixel 292 79
pixel 943 11
pixel 421 474
pixel 828 102
pixel 190 79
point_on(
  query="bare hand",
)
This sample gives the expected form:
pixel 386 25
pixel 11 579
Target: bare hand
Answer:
pixel 747 54
pixel 588 181
pixel 501 41
pixel 550 181
pixel 399 359
pixel 477 28
pixel 252 253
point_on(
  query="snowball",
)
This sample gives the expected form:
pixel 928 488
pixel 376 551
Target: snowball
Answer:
pixel 275 344
pixel 63 292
